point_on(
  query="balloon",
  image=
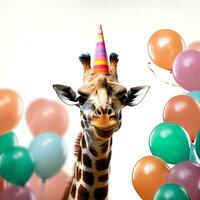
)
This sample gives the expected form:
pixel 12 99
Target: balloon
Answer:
pixel 54 187
pixel 194 46
pixel 148 175
pixel 170 142
pixel 2 184
pixel 195 95
pixel 187 174
pixel 49 153
pixel 185 111
pixel 17 165
pixel 10 109
pixel 197 144
pixel 17 193
pixel 186 70
pixel 171 191
pixel 7 141
pixel 43 115
pixel 163 46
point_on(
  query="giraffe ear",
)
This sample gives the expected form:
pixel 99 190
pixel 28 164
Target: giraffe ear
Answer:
pixel 66 94
pixel 135 95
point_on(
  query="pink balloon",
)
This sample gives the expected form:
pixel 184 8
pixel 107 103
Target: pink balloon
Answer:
pixel 186 70
pixel 194 46
pixel 17 193
pixel 187 175
pixel 53 189
pixel 44 115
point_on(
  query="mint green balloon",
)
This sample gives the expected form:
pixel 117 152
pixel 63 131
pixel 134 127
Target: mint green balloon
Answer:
pixel 7 141
pixel 197 144
pixel 17 165
pixel 49 152
pixel 170 142
pixel 195 95
pixel 171 191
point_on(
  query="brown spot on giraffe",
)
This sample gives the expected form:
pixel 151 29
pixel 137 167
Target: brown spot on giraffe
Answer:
pixel 78 174
pixel 83 193
pixel 103 164
pixel 83 142
pixel 87 161
pixel 79 158
pixel 101 193
pixel 88 178
pixel 103 178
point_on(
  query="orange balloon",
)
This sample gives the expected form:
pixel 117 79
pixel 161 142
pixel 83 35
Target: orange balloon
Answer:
pixel 148 175
pixel 10 110
pixel 2 184
pixel 163 46
pixel 44 115
pixel 53 189
pixel 185 111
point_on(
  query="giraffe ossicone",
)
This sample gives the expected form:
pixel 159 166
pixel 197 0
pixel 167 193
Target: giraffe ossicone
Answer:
pixel 101 99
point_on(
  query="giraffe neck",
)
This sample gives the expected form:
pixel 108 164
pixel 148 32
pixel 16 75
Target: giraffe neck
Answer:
pixel 91 172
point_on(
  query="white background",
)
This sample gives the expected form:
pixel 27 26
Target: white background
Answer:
pixel 40 42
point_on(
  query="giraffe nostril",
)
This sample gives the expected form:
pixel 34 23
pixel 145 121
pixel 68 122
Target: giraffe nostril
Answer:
pixel 110 111
pixel 98 112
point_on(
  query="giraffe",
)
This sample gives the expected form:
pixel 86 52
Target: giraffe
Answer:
pixel 100 99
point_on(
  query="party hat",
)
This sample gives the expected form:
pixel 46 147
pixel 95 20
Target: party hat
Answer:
pixel 100 64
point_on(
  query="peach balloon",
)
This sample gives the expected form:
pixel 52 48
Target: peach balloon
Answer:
pixel 194 46
pixel 44 115
pixel 148 175
pixel 185 111
pixel 53 189
pixel 163 46
pixel 10 110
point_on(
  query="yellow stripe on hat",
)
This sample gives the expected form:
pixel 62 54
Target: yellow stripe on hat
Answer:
pixel 100 62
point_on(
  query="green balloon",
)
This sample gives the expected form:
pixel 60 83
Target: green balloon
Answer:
pixel 170 142
pixel 17 165
pixel 171 191
pixel 197 144
pixel 7 141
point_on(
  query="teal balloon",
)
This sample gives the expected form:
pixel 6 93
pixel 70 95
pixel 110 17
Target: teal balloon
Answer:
pixel 17 165
pixel 195 95
pixel 7 141
pixel 170 142
pixel 193 154
pixel 197 144
pixel 171 191
pixel 49 152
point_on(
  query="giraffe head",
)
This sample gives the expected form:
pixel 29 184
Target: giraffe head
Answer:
pixel 101 98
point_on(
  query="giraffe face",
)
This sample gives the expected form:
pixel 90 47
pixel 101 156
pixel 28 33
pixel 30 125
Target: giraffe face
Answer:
pixel 101 100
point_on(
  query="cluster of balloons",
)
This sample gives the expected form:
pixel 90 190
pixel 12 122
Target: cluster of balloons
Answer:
pixel 176 140
pixel 167 50
pixel 45 156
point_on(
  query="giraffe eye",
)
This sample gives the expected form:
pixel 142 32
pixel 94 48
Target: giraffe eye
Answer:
pixel 82 99
pixel 123 99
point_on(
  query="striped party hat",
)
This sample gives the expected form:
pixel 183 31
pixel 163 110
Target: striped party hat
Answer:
pixel 100 64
